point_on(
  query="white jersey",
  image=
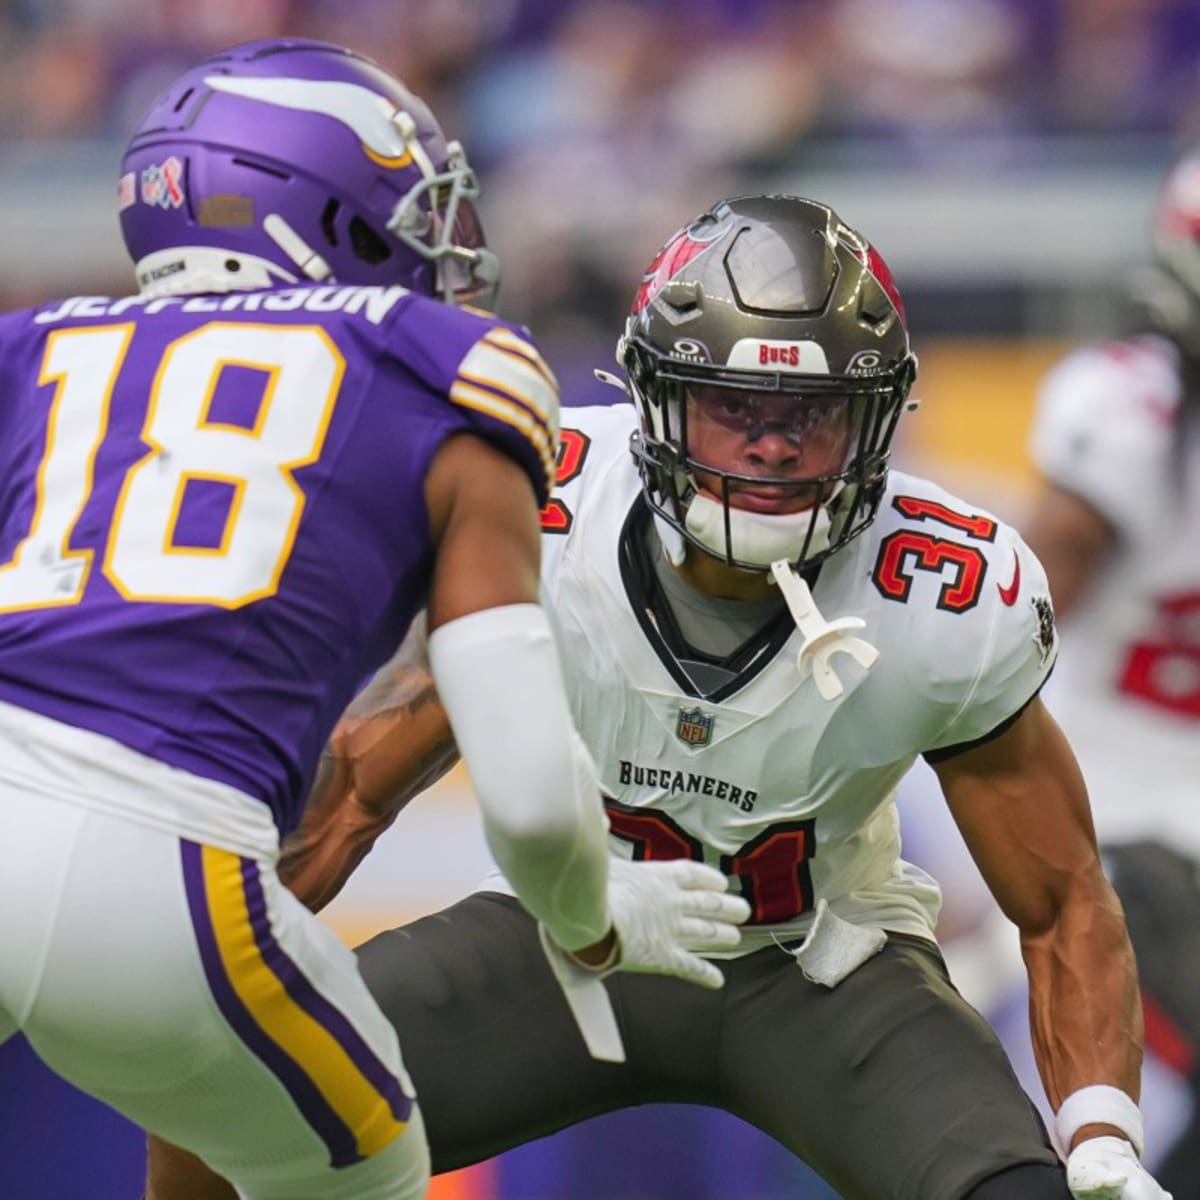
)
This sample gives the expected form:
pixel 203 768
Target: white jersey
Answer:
pixel 1106 430
pixel 789 794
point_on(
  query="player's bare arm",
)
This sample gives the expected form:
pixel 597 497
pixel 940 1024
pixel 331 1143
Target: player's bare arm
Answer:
pixel 1073 542
pixel 1022 807
pixel 485 523
pixel 392 744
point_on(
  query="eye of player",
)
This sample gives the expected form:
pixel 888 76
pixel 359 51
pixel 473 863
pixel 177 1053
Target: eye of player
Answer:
pixel 798 416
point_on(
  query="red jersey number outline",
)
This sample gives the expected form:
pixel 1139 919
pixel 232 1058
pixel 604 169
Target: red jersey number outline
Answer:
pixel 573 446
pixel 909 550
pixel 773 868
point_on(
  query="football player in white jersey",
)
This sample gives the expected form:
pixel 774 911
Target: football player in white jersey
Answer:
pixel 762 628
pixel 1117 438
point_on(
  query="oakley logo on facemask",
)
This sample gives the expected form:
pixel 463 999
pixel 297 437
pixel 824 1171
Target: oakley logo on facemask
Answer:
pixel 689 348
pixel 865 362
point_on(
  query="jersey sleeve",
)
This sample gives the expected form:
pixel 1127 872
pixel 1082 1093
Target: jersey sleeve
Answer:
pixel 492 374
pixel 1014 644
pixel 505 387
pixel 1100 427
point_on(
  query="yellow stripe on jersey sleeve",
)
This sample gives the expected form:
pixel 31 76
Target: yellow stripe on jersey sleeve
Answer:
pixel 505 339
pixel 515 368
pixel 511 412
pixel 504 377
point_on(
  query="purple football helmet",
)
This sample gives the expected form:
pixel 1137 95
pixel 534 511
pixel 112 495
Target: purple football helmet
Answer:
pixel 292 160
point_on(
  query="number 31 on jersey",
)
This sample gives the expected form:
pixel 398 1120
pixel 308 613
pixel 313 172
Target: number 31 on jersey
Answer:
pixel 908 550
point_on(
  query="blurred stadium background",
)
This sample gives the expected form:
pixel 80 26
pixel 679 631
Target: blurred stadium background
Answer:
pixel 1002 154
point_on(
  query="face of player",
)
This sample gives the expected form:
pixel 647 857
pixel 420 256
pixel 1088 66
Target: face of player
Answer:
pixel 769 436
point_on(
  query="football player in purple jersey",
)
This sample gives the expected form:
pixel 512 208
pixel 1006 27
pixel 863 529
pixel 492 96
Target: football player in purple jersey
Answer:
pixel 695 544
pixel 223 501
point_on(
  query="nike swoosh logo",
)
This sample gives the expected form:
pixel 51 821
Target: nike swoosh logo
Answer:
pixel 1009 594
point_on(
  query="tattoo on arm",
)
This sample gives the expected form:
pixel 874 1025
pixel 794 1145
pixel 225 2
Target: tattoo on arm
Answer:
pixel 392 744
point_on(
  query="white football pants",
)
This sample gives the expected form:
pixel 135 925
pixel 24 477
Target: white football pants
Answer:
pixel 182 984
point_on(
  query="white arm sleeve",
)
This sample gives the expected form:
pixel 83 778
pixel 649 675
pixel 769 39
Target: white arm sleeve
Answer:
pixel 498 676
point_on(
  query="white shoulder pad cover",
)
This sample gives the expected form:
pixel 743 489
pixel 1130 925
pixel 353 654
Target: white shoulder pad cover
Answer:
pixel 595 444
pixel 1011 641
pixel 1103 425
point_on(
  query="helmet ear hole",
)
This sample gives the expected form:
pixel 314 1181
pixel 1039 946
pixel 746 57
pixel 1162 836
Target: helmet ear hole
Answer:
pixel 328 217
pixel 367 244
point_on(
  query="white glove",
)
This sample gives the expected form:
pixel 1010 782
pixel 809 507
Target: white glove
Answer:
pixel 663 910
pixel 660 911
pixel 1107 1168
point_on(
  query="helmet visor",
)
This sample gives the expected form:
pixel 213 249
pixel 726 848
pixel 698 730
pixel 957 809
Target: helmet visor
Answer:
pixel 795 435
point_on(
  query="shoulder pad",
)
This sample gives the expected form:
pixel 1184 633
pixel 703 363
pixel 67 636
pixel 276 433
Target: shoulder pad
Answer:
pixel 505 385
pixel 1105 418
pixel 978 623
pixel 492 372
pixel 593 438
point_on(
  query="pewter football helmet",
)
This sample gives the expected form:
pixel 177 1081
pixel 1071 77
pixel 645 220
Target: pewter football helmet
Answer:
pixel 767 295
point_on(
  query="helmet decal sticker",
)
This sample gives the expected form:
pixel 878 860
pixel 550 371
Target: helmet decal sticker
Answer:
pixel 367 113
pixel 126 191
pixel 226 209
pixel 682 249
pixel 691 349
pixel 780 355
pixel 883 276
pixel 161 183
pixel 866 362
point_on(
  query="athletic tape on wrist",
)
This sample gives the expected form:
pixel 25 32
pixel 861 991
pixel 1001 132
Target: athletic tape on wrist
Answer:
pixel 587 999
pixel 1099 1104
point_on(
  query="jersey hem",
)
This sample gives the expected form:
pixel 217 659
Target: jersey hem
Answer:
pixel 80 766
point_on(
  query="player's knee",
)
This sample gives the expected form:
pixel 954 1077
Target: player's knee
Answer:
pixel 1028 1181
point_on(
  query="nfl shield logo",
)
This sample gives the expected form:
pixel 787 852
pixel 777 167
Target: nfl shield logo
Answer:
pixel 694 727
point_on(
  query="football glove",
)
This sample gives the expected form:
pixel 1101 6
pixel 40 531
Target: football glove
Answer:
pixel 663 911
pixel 1107 1168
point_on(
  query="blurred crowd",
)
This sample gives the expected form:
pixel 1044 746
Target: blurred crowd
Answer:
pixel 753 74
pixel 600 124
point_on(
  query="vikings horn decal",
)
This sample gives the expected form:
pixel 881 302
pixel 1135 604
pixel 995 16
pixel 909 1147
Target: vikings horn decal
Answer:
pixel 370 115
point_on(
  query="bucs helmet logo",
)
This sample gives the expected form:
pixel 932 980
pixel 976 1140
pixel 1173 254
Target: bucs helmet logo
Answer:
pixel 686 245
pixel 694 727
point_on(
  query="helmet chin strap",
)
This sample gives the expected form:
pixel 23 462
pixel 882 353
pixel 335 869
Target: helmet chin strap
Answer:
pixel 759 538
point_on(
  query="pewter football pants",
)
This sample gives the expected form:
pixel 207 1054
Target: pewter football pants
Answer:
pixel 184 986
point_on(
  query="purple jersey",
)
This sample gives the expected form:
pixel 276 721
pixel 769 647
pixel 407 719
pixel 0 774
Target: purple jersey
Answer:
pixel 212 513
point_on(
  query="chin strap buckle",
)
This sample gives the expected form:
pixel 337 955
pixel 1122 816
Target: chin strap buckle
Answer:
pixel 822 639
